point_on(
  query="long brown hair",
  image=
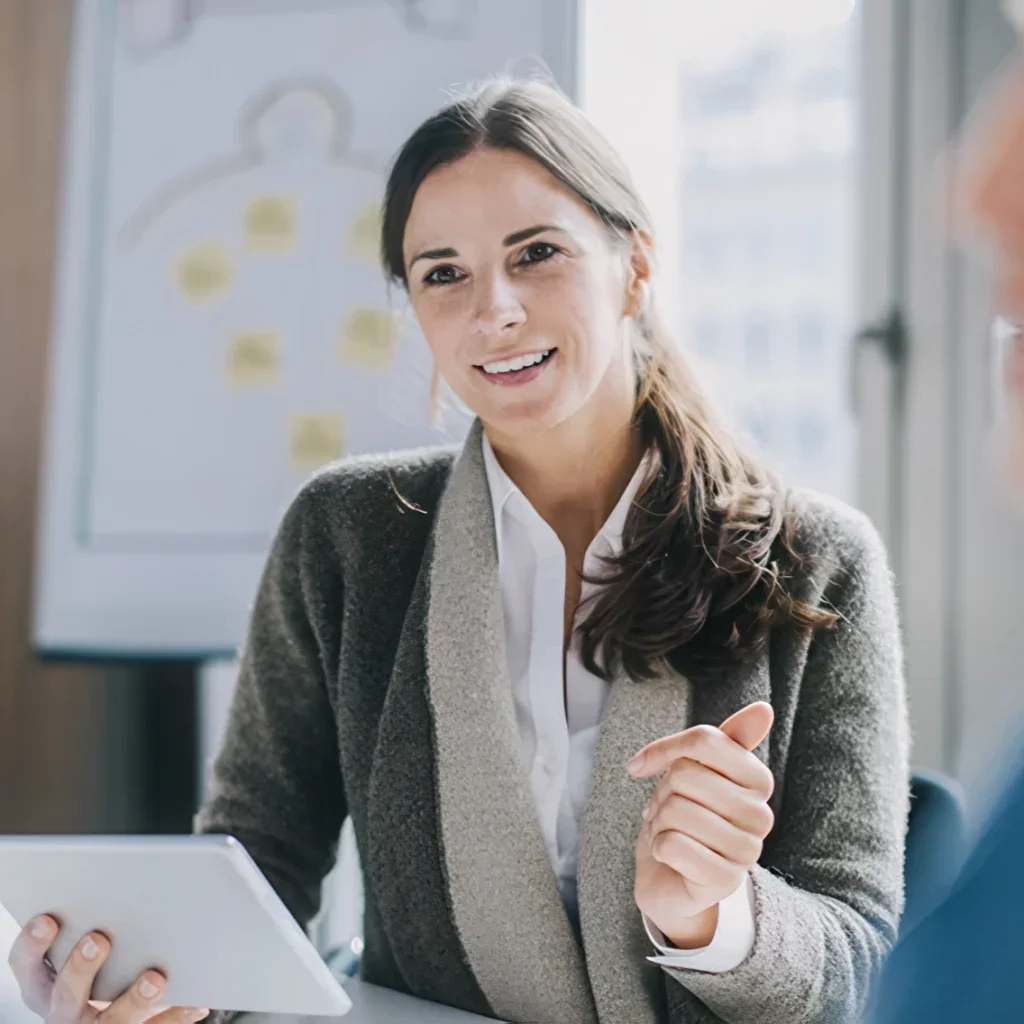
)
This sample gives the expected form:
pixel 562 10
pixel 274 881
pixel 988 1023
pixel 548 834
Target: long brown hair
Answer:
pixel 707 554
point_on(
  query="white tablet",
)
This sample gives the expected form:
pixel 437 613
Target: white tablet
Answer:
pixel 194 907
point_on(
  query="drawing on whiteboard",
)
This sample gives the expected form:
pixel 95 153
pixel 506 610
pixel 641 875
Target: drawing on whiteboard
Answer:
pixel 204 273
pixel 271 223
pixel 254 359
pixel 362 240
pixel 288 122
pixel 316 439
pixel 155 25
pixel 369 339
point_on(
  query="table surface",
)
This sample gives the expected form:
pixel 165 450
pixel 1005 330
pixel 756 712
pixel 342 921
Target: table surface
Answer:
pixel 375 1005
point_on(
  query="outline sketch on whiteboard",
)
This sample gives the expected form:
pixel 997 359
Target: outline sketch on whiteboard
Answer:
pixel 323 101
pixel 154 25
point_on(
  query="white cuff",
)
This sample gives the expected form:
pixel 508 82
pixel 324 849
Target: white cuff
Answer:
pixel 732 942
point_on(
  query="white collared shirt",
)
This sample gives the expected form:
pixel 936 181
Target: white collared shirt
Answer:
pixel 558 734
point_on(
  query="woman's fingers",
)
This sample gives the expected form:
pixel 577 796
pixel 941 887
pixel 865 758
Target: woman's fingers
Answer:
pixel 715 748
pixel 141 1002
pixel 73 985
pixel 679 814
pixel 695 862
pixel 749 726
pixel 64 997
pixel 746 809
pixel 179 1015
pixel 26 960
pixel 706 745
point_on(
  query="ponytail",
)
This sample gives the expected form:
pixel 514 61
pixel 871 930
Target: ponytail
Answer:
pixel 706 546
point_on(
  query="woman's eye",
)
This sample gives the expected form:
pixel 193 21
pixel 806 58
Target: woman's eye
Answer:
pixel 443 275
pixel 538 252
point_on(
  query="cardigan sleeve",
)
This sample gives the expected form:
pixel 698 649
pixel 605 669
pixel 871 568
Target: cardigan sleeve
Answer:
pixel 276 782
pixel 829 891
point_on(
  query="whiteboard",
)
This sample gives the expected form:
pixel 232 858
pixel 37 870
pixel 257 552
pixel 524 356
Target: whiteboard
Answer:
pixel 221 324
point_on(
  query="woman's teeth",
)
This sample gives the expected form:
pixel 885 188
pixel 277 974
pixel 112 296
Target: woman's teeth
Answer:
pixel 519 363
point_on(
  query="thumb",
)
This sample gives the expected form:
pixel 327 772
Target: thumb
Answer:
pixel 749 725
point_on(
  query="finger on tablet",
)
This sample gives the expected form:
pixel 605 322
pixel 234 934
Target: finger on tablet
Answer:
pixel 30 965
pixel 73 985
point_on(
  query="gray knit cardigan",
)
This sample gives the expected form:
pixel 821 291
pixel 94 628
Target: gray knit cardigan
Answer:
pixel 374 684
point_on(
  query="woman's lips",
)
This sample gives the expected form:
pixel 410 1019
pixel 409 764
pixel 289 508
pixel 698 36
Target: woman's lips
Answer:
pixel 513 378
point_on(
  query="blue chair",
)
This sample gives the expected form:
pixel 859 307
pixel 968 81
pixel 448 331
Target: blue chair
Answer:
pixel 936 843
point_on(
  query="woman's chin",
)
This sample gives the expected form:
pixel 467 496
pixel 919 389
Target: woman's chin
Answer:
pixel 522 418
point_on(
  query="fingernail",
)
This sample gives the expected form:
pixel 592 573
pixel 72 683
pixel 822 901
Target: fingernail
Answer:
pixel 42 929
pixel 147 989
pixel 647 811
pixel 197 1015
pixel 90 950
pixel 635 764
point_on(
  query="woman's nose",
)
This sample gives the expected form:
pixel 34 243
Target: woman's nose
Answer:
pixel 498 307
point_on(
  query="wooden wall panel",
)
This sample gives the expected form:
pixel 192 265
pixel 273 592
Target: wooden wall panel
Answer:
pixel 63 729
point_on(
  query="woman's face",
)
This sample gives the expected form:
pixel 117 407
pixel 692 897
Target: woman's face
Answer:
pixel 520 291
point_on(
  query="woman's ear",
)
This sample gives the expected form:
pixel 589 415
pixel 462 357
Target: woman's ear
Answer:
pixel 638 272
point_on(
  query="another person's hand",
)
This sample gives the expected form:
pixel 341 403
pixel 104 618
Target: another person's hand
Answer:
pixel 64 997
pixel 705 824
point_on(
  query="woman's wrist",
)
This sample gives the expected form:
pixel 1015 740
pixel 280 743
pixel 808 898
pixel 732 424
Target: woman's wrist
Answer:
pixel 695 932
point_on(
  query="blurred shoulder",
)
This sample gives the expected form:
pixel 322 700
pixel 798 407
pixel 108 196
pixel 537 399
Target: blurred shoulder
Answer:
pixel 1015 14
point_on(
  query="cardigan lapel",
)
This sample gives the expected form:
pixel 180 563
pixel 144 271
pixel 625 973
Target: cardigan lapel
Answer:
pixel 733 688
pixel 627 988
pixel 502 890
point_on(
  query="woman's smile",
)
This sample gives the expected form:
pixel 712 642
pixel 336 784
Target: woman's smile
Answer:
pixel 517 370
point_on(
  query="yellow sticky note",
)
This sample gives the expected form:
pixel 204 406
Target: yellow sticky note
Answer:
pixel 369 338
pixel 363 242
pixel 271 224
pixel 254 359
pixel 317 438
pixel 205 272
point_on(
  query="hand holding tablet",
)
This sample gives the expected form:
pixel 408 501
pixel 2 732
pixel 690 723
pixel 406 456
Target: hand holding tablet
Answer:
pixel 133 925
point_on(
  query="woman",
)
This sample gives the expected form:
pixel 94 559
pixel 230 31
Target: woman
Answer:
pixel 463 651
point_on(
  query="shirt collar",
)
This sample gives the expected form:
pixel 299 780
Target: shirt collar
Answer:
pixel 502 489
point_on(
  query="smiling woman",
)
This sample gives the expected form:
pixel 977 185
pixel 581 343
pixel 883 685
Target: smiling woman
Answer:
pixel 464 650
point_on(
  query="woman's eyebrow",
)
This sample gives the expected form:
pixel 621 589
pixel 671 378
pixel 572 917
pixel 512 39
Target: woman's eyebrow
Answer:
pixel 433 254
pixel 524 233
pixel 513 239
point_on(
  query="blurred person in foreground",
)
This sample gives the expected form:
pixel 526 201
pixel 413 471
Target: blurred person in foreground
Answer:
pixel 963 962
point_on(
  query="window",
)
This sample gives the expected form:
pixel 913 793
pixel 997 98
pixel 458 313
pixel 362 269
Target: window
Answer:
pixel 759 244
pixel 757 342
pixel 707 339
pixel 769 104
pixel 810 342
pixel 811 437
pixel 757 426
pixel 704 250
